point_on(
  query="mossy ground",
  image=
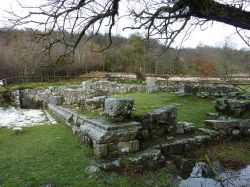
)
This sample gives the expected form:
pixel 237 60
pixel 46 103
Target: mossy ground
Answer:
pixel 53 155
pixel 190 109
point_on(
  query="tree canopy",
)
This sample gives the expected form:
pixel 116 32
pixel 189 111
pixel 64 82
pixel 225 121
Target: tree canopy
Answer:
pixel 161 19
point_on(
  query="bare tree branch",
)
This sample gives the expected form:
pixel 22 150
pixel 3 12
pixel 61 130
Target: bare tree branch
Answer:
pixel 163 20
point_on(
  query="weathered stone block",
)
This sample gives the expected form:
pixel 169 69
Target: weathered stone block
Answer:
pixel 179 129
pixel 56 100
pixel 134 145
pixel 184 90
pixel 189 128
pixel 126 147
pixel 145 134
pixel 222 124
pixel 165 115
pixel 147 156
pixel 29 101
pixel 17 130
pixel 151 84
pixel 160 122
pixel 245 123
pixel 95 103
pixel 112 149
pixel 100 150
pixel 86 140
pixel 92 169
pixel 233 107
pixel 203 94
pixel 114 107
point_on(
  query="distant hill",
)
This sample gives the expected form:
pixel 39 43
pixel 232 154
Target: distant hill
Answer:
pixel 20 54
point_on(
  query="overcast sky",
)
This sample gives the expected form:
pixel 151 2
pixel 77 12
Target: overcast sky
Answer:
pixel 214 35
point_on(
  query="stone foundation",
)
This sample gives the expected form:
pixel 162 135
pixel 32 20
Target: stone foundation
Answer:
pixel 107 138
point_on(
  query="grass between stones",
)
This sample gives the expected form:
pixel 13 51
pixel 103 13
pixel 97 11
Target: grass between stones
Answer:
pixel 53 155
pixel 245 87
pixel 232 154
pixel 189 109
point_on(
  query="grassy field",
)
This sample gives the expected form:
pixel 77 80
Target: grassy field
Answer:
pixel 53 155
pixel 190 109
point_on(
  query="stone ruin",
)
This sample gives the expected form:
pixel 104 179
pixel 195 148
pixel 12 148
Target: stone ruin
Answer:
pixel 151 84
pixel 145 141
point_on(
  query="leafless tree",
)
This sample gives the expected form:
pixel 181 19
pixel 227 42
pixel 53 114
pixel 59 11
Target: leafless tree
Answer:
pixel 77 20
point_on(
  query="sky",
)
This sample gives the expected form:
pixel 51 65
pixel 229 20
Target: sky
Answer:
pixel 214 35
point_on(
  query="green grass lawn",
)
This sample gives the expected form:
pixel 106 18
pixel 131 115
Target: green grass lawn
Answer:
pixel 245 87
pixel 191 109
pixel 53 155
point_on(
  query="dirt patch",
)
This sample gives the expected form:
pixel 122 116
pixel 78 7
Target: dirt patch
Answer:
pixel 95 74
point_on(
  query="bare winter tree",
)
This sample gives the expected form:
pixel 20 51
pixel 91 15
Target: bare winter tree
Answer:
pixel 77 20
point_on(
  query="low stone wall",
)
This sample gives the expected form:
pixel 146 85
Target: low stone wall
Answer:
pixel 107 138
pixel 156 156
pixel 233 107
pixel 160 123
pixel 35 98
pixel 236 128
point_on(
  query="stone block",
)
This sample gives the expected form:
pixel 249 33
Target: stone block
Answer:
pixel 17 130
pixel 124 147
pixel 233 107
pixel 127 147
pixel 86 140
pixel 179 129
pixel 222 124
pixel 95 103
pixel 134 145
pixel 114 107
pixel 145 134
pixel 92 169
pixel 188 128
pixel 245 124
pixel 203 94
pixel 184 90
pixel 151 85
pixel 56 100
pixel 100 150
pixel 149 159
pixel 112 149
pixel 165 115
pixel 29 100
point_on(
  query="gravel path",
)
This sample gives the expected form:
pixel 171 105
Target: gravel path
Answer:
pixel 13 117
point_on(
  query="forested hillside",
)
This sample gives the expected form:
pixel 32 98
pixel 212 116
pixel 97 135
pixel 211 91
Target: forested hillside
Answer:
pixel 21 55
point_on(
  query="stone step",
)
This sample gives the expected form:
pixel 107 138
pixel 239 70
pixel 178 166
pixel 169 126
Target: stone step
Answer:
pixel 184 145
pixel 156 156
pixel 228 123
